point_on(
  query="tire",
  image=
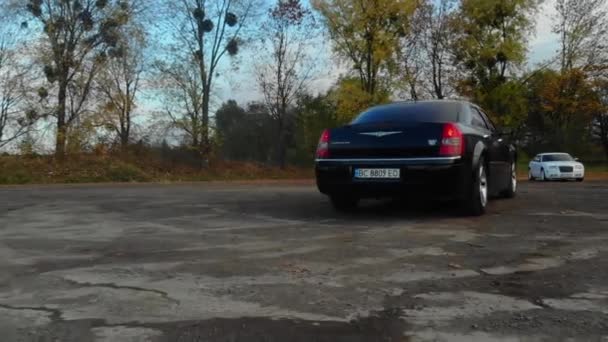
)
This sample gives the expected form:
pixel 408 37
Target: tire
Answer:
pixel 477 198
pixel 344 203
pixel 511 189
pixel 542 176
pixel 580 180
pixel 530 177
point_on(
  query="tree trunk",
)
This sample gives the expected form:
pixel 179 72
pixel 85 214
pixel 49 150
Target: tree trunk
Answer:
pixel 282 156
pixel 603 125
pixel 605 141
pixel 61 123
pixel 205 147
pixel 125 134
pixel 282 146
pixel 124 141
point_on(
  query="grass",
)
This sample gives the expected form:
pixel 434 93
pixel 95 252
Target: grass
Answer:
pixel 95 169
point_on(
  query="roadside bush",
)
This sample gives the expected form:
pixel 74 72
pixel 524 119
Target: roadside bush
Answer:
pixel 18 177
pixel 122 172
pixel 13 173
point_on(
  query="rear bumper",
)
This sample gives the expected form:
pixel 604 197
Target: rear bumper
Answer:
pixel 420 177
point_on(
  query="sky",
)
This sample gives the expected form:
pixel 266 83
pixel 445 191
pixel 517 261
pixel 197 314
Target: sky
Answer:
pixel 544 43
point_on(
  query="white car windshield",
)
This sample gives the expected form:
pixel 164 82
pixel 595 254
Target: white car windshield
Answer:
pixel 557 157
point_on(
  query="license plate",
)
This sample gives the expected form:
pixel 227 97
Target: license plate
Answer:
pixel 378 173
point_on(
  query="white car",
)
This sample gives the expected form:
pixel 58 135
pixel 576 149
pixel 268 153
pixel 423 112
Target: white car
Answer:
pixel 555 166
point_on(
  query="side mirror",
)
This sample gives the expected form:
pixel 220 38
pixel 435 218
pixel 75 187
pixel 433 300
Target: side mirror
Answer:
pixel 576 159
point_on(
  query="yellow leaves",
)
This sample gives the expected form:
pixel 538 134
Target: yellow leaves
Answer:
pixel 490 44
pixel 367 32
pixel 351 99
pixel 109 107
pixel 494 30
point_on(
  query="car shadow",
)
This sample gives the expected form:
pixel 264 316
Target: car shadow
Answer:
pixel 403 208
pixel 316 207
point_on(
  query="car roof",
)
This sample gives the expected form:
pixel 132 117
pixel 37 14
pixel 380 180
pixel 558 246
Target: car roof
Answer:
pixel 550 153
pixel 414 102
pixel 400 104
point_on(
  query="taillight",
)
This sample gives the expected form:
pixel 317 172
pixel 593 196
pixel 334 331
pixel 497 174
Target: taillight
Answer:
pixel 452 141
pixel 323 147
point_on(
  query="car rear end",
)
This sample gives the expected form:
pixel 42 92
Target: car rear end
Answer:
pixel 410 149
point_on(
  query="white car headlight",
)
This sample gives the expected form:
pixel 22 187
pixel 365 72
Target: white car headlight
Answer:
pixel 553 167
pixel 579 167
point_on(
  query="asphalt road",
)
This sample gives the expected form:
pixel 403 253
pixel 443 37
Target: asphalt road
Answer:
pixel 276 263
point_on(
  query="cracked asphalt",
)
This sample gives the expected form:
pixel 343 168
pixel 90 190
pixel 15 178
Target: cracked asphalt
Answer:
pixel 273 262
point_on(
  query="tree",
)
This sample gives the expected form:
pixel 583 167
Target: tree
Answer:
pixel 490 46
pixel 119 83
pixel 179 85
pixel 245 134
pixel 583 61
pixel 204 33
pixel 15 118
pixel 437 37
pixel 424 63
pixel 286 67
pixel 77 36
pixel 351 100
pixel 315 113
pixel 407 68
pixel 582 27
pixel 229 115
pixel 366 33
pixel 562 107
pixel 229 120
pixel 600 119
pixel 258 132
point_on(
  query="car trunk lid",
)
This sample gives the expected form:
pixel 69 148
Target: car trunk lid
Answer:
pixel 385 140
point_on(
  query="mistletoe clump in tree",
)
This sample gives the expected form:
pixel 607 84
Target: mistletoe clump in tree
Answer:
pixel 77 36
pixel 204 33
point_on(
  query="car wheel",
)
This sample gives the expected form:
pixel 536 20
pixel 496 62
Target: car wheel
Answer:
pixel 477 199
pixel 530 177
pixel 512 187
pixel 344 202
pixel 580 179
pixel 542 175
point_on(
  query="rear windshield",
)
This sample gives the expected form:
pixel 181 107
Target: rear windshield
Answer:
pixel 411 112
pixel 557 157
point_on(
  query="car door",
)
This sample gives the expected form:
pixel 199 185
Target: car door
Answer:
pixel 503 144
pixel 535 166
pixel 493 150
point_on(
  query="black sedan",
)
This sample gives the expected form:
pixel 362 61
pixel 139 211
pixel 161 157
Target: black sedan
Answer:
pixel 438 149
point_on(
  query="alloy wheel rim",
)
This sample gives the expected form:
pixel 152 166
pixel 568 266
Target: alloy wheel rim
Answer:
pixel 483 186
